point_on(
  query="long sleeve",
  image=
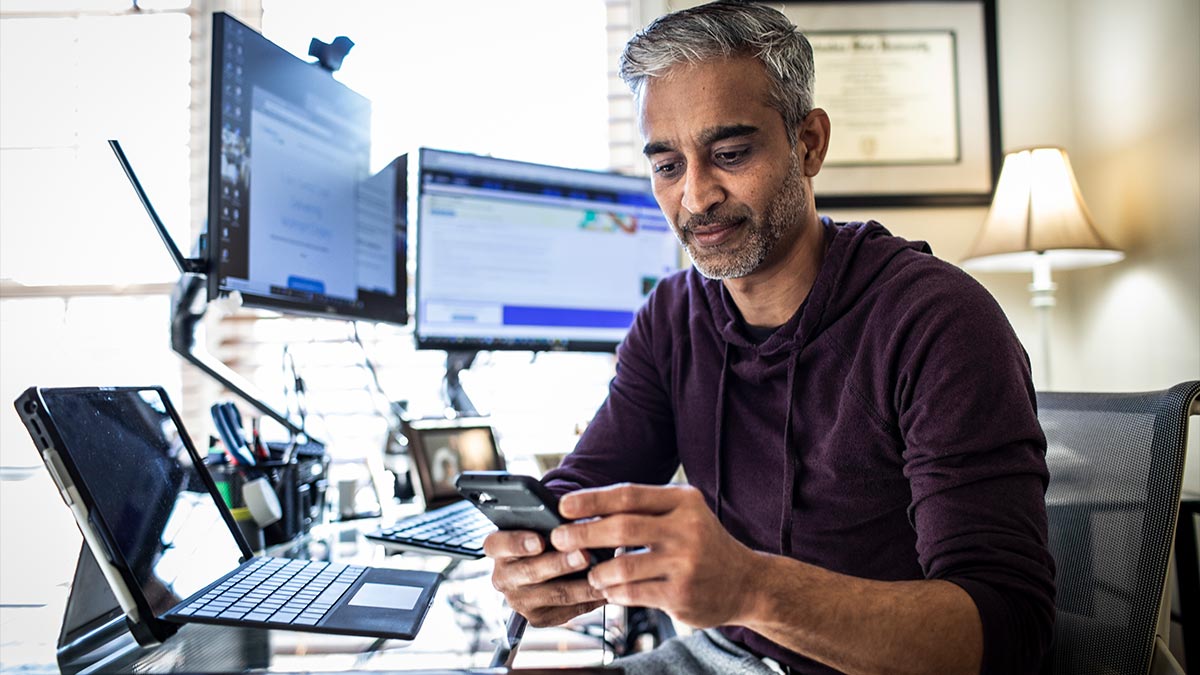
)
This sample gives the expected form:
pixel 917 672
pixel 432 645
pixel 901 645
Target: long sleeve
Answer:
pixel 975 459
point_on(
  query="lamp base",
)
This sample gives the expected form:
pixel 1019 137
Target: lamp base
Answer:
pixel 1042 300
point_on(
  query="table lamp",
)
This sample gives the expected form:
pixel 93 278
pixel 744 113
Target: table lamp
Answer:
pixel 1038 222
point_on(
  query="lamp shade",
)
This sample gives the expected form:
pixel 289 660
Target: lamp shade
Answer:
pixel 1038 212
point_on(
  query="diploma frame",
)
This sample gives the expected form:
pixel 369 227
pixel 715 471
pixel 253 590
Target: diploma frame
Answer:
pixel 966 179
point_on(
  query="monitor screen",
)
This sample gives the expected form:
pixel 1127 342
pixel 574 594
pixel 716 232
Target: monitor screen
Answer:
pixel 295 223
pixel 512 255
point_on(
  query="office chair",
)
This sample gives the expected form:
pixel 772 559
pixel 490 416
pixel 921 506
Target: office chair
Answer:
pixel 1116 471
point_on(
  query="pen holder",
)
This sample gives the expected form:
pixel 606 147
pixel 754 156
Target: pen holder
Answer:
pixel 300 485
pixel 229 483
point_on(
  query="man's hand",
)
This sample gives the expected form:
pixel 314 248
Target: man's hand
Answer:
pixel 691 568
pixel 525 574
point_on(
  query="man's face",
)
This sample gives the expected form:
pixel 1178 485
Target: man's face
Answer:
pixel 723 171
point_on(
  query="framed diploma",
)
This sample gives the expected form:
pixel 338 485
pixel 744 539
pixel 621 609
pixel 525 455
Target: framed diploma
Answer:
pixel 912 93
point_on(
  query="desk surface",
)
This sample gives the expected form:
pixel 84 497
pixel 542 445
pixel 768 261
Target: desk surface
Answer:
pixel 459 632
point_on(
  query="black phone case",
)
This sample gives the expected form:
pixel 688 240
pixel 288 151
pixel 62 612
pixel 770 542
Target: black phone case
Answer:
pixel 511 501
pixel 517 502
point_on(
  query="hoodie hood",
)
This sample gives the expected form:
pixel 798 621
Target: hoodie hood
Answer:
pixel 855 255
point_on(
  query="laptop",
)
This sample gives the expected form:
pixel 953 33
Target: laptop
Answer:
pixel 167 543
pixel 438 450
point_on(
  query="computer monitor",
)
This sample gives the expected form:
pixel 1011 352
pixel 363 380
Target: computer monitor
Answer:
pixel 513 255
pixel 295 223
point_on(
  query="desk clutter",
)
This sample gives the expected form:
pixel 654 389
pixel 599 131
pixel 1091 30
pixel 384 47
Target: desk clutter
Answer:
pixel 275 491
pixel 163 554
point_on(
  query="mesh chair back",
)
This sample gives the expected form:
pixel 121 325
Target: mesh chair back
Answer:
pixel 1116 470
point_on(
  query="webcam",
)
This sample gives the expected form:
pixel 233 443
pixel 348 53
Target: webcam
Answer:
pixel 329 56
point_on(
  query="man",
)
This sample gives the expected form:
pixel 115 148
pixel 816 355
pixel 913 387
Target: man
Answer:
pixel 855 417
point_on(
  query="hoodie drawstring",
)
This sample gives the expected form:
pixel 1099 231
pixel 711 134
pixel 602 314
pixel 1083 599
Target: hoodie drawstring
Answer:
pixel 789 460
pixel 717 431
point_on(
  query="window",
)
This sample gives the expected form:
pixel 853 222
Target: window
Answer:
pixel 84 281
pixel 523 79
pixel 85 278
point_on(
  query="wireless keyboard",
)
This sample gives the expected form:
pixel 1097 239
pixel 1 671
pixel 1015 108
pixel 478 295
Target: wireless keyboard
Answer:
pixel 456 529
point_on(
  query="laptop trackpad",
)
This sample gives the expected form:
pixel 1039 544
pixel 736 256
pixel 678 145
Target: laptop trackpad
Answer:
pixel 385 603
pixel 387 596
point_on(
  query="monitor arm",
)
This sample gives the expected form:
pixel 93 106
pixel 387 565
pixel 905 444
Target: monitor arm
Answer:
pixel 185 319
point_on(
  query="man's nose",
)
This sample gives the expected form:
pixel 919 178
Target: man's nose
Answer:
pixel 701 190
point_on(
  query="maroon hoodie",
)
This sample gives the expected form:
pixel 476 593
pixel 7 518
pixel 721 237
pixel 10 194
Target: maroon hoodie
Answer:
pixel 887 431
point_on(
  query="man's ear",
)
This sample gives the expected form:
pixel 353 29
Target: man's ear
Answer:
pixel 814 139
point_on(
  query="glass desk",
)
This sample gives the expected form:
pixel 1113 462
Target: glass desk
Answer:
pixel 460 632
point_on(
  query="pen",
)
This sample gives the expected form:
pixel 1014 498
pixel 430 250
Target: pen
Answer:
pixel 259 446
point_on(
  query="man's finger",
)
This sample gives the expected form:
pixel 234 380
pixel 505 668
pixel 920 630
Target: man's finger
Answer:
pixel 545 617
pixel 517 572
pixel 512 544
pixel 552 594
pixel 627 530
pixel 629 568
pixel 656 594
pixel 622 498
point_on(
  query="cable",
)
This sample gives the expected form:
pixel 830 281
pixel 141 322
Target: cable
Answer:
pixel 300 389
pixel 471 611
pixel 391 411
pixel 601 633
pixel 297 386
pixel 603 628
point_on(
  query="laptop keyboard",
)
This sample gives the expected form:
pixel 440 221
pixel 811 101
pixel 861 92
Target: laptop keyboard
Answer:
pixel 457 529
pixel 276 590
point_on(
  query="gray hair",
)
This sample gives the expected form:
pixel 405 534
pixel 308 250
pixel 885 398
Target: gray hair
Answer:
pixel 724 29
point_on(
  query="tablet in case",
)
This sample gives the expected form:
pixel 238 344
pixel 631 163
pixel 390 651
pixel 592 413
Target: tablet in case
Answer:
pixel 167 544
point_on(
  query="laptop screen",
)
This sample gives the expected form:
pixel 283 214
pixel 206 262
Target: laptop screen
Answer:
pixel 447 451
pixel 146 489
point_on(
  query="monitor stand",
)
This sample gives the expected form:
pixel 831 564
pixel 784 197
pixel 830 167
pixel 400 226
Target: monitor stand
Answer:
pixel 456 397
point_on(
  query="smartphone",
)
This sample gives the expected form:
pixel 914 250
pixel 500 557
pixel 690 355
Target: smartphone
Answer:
pixel 517 502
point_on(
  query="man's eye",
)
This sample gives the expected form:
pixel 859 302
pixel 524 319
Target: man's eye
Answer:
pixel 666 168
pixel 731 157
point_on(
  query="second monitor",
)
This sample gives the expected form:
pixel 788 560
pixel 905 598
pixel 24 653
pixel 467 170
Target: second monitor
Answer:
pixel 296 223
pixel 513 255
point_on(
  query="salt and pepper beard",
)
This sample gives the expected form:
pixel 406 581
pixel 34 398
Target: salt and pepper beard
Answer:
pixel 762 235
